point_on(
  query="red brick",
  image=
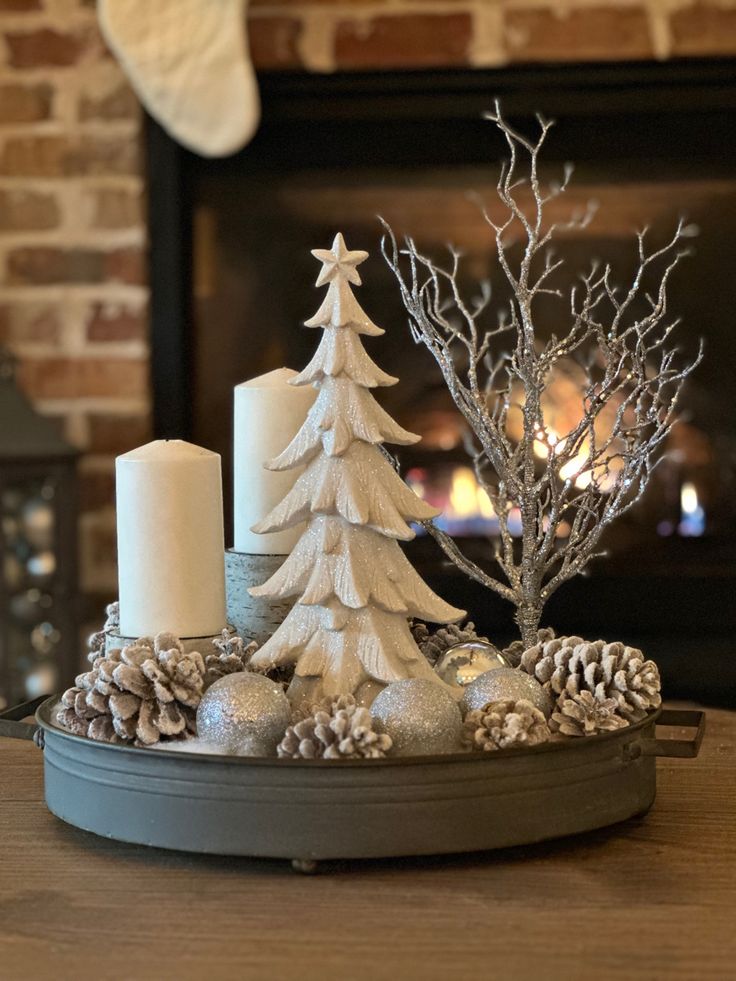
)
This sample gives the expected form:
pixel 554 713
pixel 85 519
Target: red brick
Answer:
pixel 96 156
pixel 117 434
pixel 114 322
pixel 591 34
pixel 273 42
pixel 96 489
pixel 25 103
pixel 59 156
pixel 28 211
pixel 404 41
pixel 48 264
pixel 35 322
pixel 256 5
pixel 43 265
pixel 19 6
pixel 115 208
pixel 63 378
pixel 703 30
pixel 121 103
pixel 43 48
pixel 126 266
pixel 34 156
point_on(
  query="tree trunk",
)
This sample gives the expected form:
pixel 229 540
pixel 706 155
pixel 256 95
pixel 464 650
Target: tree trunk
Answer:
pixel 527 617
pixel 529 609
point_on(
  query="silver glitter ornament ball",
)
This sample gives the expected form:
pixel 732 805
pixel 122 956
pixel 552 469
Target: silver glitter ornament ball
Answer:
pixel 245 714
pixel 504 683
pixel 420 716
pixel 463 663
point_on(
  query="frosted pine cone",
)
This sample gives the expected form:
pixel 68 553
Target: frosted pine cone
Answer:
pixel 145 692
pixel 513 652
pixel 232 656
pixel 338 729
pixel 585 715
pixel 433 645
pixel 85 708
pixel 176 675
pixel 572 665
pixel 99 728
pixel 98 640
pixel 505 724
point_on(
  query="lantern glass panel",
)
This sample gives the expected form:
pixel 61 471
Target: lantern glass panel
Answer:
pixel 32 597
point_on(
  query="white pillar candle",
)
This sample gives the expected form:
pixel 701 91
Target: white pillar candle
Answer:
pixel 268 414
pixel 171 567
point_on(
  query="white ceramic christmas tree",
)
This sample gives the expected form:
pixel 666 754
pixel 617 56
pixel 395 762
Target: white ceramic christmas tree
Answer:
pixel 354 585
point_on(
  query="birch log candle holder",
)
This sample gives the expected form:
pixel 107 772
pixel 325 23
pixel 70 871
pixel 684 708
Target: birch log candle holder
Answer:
pixel 268 412
pixel 252 618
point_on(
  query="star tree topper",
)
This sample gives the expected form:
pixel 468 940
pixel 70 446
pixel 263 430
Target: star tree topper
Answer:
pixel 339 261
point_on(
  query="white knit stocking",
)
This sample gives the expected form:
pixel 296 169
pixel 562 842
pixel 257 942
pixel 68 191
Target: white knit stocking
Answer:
pixel 189 63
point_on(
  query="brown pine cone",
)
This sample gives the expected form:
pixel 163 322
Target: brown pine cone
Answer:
pixel 176 675
pixel 98 640
pixel 433 645
pixel 100 728
pixel 338 729
pixel 85 709
pixel 583 714
pixel 572 665
pixel 232 656
pixel 145 692
pixel 505 724
pixel 513 652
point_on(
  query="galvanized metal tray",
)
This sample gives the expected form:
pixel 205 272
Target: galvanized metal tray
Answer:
pixel 325 809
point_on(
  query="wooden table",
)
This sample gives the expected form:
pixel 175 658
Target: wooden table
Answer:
pixel 652 898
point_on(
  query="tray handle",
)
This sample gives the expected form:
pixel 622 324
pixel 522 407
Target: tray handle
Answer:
pixel 680 748
pixel 12 727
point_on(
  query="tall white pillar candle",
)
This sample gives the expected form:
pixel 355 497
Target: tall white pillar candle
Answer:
pixel 171 567
pixel 268 414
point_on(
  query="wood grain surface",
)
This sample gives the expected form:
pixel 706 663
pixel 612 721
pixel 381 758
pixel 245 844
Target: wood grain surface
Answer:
pixel 652 898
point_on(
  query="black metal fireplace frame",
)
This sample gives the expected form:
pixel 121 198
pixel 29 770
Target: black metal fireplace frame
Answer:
pixel 377 117
pixel 681 112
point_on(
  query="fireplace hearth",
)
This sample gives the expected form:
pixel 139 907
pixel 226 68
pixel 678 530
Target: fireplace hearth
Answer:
pixel 232 282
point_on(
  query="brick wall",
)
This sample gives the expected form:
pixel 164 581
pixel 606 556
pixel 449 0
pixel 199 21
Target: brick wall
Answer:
pixel 346 35
pixel 72 294
pixel 72 272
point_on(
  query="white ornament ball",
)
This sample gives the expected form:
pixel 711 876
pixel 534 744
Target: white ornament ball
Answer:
pixel 506 683
pixel 463 663
pixel 420 716
pixel 245 714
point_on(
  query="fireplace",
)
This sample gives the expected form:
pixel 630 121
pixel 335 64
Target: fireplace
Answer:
pixel 232 283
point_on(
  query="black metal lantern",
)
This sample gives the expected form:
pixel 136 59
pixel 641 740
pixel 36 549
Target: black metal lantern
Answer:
pixel 38 548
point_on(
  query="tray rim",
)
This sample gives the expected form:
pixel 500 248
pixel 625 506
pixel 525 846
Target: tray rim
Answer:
pixel 45 717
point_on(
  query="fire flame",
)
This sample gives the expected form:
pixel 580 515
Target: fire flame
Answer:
pixel 692 521
pixel 467 498
pixel 689 498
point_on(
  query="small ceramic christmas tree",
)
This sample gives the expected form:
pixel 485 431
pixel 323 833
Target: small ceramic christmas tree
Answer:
pixel 354 585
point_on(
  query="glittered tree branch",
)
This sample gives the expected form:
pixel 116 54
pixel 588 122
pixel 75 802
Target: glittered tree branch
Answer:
pixel 616 348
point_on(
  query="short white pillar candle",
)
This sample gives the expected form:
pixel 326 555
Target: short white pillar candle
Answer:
pixel 268 414
pixel 171 568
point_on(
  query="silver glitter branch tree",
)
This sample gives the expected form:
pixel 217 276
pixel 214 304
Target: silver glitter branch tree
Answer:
pixel 565 489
